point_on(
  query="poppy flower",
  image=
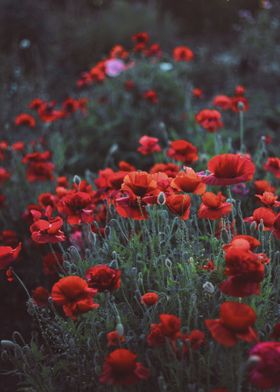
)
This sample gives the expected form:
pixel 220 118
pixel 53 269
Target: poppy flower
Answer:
pixel 269 199
pixel 211 120
pixel 128 206
pixel 69 106
pixel 196 338
pixel 262 186
pixel 223 102
pixel 149 299
pixel 151 96
pixel 141 38
pixel 272 165
pixel 183 53
pixel 48 113
pixel 183 151
pixel 263 215
pixel 4 175
pixel 154 51
pixel 243 241
pixel 239 91
pixel 25 119
pixel 114 339
pixel 101 277
pixel 47 231
pixel 239 104
pixel 36 103
pixel 118 51
pixel 40 296
pixel 229 169
pixel 235 323
pixel 188 181
pixel 74 295
pixel 170 169
pixel 77 207
pixel 138 184
pixel 213 206
pixel 121 368
pixel 8 255
pixel 148 145
pixel 197 93
pixel 265 365
pixel 170 325
pixel 245 271
pixel 179 205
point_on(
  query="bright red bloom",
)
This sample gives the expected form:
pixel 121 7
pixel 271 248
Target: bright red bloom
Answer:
pixel 38 167
pixel 47 231
pixel 36 104
pixel 141 38
pixel 263 186
pixel 121 368
pixel 170 169
pixel 213 206
pixel 170 325
pixel 8 255
pixel 101 277
pixel 183 53
pixel 41 296
pixel 74 295
pixel 229 169
pixel 179 205
pixel 272 165
pixel 149 145
pixel 4 175
pixel 77 207
pixel 138 184
pixel 151 96
pixel 269 199
pixel 265 371
pixel 149 299
pixel 189 182
pixel 114 339
pixel 222 101
pixel 235 323
pixel 25 119
pixel 51 263
pixel 246 242
pixel 239 91
pixel 70 105
pixel 48 113
pixel 183 151
pixel 239 104
pixel 264 215
pixel 196 338
pixel 245 271
pixel 118 52
pixel 211 120
pixel 197 92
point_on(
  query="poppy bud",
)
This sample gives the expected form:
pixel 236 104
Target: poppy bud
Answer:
pixel 77 180
pixel 253 226
pixel 208 287
pixel 120 328
pixel 240 105
pixel 161 199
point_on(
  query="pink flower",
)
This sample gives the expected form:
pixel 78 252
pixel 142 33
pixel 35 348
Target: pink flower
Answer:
pixel 114 67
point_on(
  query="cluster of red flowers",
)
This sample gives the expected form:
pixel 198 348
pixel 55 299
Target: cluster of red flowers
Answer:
pixel 237 103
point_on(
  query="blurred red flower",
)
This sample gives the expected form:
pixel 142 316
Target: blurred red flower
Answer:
pixel 183 151
pixel 211 120
pixel 101 277
pixel 183 53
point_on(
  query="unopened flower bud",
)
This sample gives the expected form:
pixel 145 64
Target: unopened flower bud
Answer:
pixel 77 179
pixel 240 105
pixel 253 226
pixel 161 199
pixel 208 287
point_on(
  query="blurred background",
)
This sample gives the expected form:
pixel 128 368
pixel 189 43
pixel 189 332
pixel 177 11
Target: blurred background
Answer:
pixel 45 46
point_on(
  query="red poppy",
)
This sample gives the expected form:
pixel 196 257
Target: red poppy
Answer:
pixel 8 255
pixel 119 52
pixel 183 151
pixel 151 96
pixel 245 271
pixel 141 38
pixel 262 186
pixel 197 92
pixel 239 104
pixel 77 207
pixel 74 295
pixel 149 299
pixel 70 105
pixel 213 206
pixel 211 120
pixel 229 169
pixel 47 231
pixel 222 101
pixel 246 242
pixel 114 339
pixel 138 184
pixel 41 296
pixel 269 199
pixel 179 205
pixel 101 277
pixel 36 104
pixel 4 175
pixel 121 368
pixel 235 323
pixel 170 325
pixel 263 215
pixel 188 181
pixel 128 206
pixel 18 146
pixel 149 145
pixel 25 119
pixel 48 113
pixel 170 169
pixel 239 91
pixel 265 368
pixel 183 53
pixel 272 165
pixel 154 51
